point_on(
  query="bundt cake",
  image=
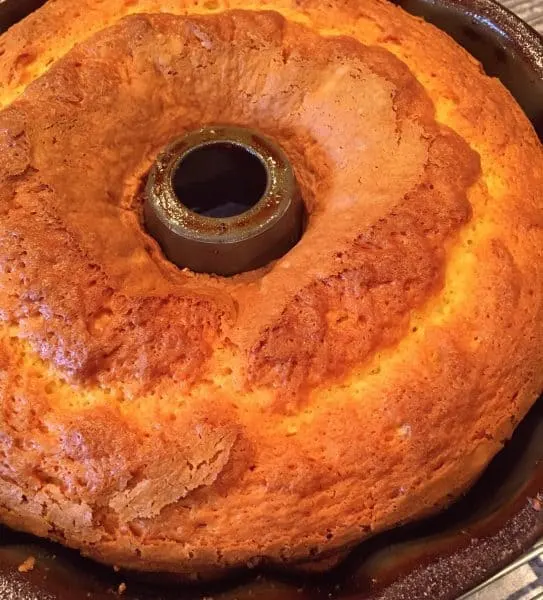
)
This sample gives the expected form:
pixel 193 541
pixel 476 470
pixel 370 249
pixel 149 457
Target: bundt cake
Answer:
pixel 160 419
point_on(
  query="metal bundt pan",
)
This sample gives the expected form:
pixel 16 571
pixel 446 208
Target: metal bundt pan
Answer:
pixel 440 558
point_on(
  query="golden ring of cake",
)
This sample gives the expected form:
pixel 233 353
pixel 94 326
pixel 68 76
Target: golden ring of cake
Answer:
pixel 163 420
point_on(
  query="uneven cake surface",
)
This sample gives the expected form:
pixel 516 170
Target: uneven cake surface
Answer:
pixel 163 420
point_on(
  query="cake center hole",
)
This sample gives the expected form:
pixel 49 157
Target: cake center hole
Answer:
pixel 220 180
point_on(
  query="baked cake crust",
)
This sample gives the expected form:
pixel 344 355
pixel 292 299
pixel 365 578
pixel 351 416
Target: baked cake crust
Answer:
pixel 166 421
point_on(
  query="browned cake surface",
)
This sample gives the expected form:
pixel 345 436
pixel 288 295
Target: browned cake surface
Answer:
pixel 162 420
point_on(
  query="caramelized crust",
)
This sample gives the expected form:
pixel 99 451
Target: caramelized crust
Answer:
pixel 163 420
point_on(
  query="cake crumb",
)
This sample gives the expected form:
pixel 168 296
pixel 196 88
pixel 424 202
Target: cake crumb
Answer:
pixel 121 589
pixel 292 430
pixel 116 568
pixel 27 565
pixel 537 503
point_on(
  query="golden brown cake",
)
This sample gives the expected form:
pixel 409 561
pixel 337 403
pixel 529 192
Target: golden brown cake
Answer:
pixel 163 420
